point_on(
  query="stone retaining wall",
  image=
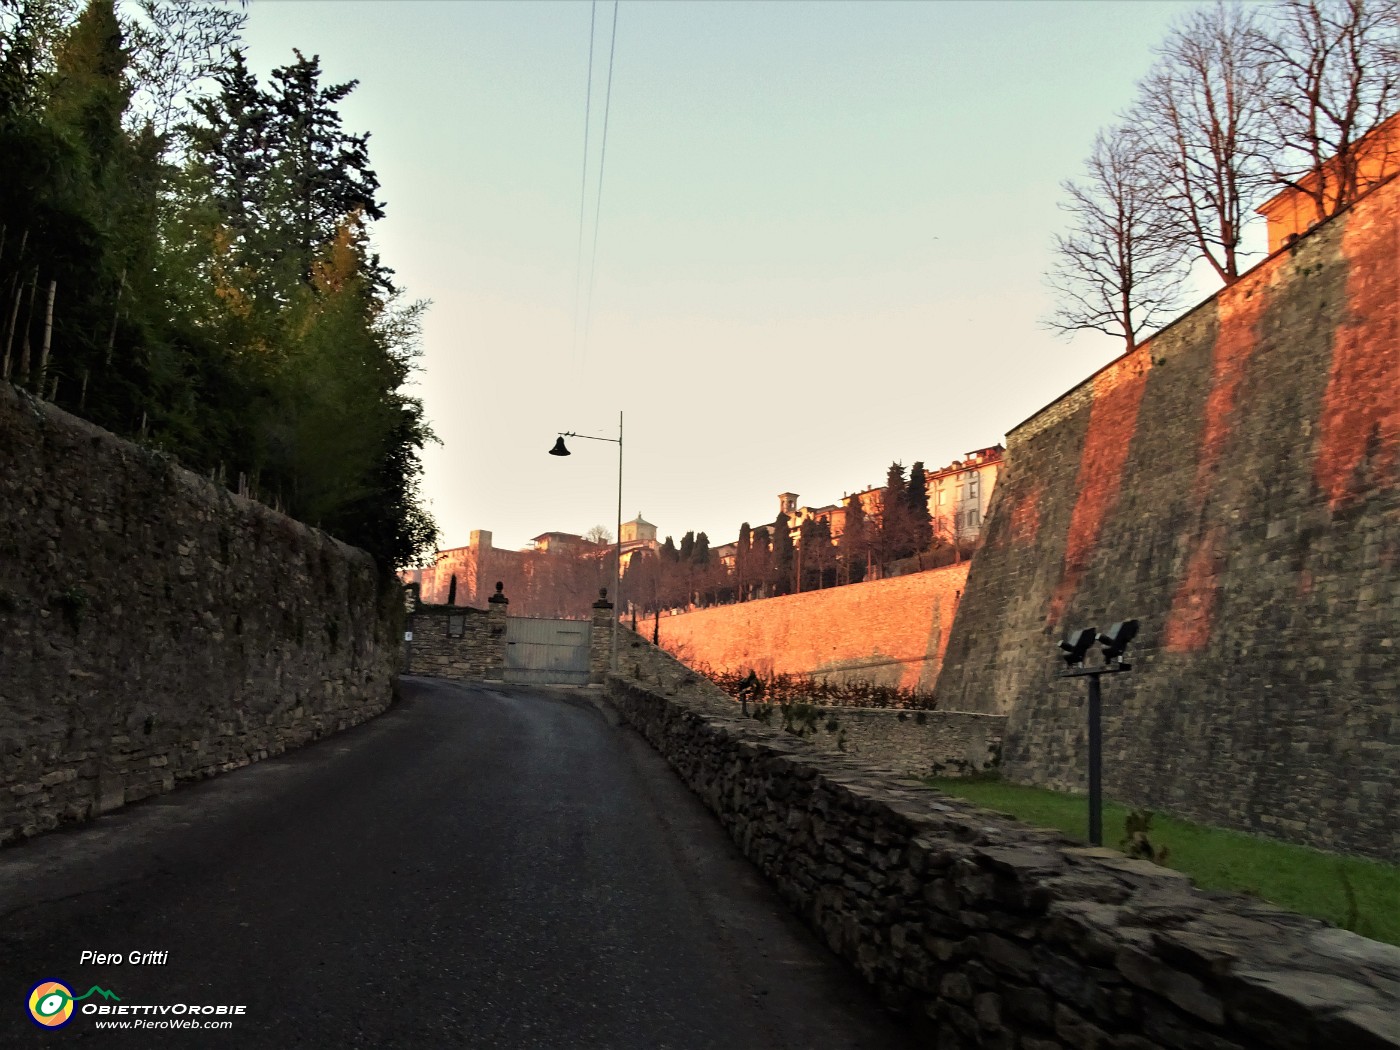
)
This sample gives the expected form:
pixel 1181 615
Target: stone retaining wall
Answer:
pixel 915 743
pixel 156 628
pixel 992 934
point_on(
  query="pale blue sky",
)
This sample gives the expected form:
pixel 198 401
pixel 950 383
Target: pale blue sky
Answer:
pixel 823 232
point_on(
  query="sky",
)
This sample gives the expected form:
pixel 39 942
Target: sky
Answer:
pixel 820 241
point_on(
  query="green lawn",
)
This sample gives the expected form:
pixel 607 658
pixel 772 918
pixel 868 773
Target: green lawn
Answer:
pixel 1295 877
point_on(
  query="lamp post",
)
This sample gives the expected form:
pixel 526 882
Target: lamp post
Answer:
pixel 560 449
pixel 1074 648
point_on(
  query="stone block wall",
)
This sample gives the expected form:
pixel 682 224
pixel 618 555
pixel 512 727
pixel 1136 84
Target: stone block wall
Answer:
pixel 1233 484
pixel 887 632
pixel 914 743
pixel 155 628
pixel 458 642
pixel 987 933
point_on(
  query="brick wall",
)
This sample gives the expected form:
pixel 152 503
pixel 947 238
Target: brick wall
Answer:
pixel 889 632
pixel 1233 485
pixel 156 628
pixel 987 933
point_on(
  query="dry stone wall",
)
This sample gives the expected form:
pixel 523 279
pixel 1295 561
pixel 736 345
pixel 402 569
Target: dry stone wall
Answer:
pixel 458 642
pixel 914 743
pixel 1234 484
pixel 155 628
pixel 991 934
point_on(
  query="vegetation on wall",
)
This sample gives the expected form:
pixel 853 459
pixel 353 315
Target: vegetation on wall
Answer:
pixel 186 260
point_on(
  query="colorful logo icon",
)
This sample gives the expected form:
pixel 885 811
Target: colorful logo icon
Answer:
pixel 50 1004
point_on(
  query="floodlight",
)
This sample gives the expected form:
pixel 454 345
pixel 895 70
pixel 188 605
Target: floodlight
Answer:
pixel 1077 644
pixel 1115 640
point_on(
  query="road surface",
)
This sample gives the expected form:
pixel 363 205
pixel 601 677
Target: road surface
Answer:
pixel 493 867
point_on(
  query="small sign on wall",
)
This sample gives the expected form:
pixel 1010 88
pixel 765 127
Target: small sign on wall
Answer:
pixel 408 636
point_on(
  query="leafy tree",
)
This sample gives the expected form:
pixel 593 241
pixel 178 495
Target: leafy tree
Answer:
pixel 687 551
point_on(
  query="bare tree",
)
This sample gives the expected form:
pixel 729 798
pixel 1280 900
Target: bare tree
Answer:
pixel 1334 68
pixel 1202 115
pixel 599 534
pixel 1120 267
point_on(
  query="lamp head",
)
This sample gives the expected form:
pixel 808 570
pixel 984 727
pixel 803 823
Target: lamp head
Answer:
pixel 1115 640
pixel 559 449
pixel 1077 645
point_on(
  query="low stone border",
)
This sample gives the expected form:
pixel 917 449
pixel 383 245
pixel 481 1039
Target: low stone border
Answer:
pixel 997 935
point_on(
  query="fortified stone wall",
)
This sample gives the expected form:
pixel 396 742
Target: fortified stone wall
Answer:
pixel 888 632
pixel 1232 484
pixel 156 628
pixel 992 934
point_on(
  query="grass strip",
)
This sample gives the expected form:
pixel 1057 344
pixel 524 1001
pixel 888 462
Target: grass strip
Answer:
pixel 1352 892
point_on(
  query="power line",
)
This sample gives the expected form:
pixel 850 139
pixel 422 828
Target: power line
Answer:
pixel 602 160
pixel 583 187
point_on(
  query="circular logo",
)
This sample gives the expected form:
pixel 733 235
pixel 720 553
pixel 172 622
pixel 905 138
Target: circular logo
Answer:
pixel 51 1004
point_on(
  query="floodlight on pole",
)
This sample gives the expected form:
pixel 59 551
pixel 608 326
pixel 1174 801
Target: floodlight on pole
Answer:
pixel 1074 648
pixel 560 449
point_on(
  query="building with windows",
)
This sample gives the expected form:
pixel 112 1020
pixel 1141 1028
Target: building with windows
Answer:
pixel 958 497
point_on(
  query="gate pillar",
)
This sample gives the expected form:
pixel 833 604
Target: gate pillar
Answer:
pixel 496 609
pixel 600 639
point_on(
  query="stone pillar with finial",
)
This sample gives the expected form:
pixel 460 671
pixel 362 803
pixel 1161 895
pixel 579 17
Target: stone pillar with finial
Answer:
pixel 600 640
pixel 496 609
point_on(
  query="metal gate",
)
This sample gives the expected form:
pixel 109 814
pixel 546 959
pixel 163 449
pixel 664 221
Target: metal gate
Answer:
pixel 547 652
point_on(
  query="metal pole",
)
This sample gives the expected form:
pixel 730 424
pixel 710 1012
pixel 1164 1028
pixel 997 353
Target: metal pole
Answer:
pixel 617 563
pixel 1095 765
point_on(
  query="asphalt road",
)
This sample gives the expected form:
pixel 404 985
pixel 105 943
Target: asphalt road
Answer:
pixel 500 868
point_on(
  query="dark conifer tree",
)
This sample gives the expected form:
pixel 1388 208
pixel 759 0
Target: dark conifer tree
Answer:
pixel 855 541
pixel 783 555
pixel 743 560
pixel 920 520
pixel 895 540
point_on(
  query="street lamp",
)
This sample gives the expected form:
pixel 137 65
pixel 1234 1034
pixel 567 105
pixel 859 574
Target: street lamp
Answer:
pixel 1074 648
pixel 560 449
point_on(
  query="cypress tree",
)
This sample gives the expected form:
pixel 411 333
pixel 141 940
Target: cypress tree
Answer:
pixel 855 541
pixel 742 560
pixel 920 520
pixel 782 555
